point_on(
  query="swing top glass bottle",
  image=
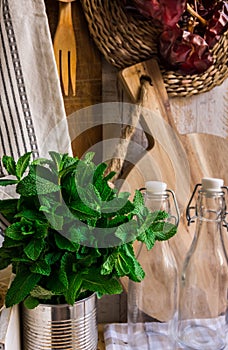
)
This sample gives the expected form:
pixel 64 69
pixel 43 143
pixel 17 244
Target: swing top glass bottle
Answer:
pixel 202 310
pixel 152 302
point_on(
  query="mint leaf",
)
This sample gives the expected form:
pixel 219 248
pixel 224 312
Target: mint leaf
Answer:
pixel 19 230
pixel 127 264
pixel 14 231
pixel 117 221
pixel 52 258
pixel 31 302
pixel 65 244
pixel 138 201
pixel 57 159
pixel 90 196
pixel 151 219
pixel 7 182
pixel 55 221
pixel 148 237
pixel 41 267
pixel 165 231
pixel 119 205
pixel 33 185
pixel 63 270
pixel 109 176
pixel 99 172
pixel 127 232
pixel 68 166
pixel 82 211
pixel 34 248
pixel 9 164
pixel 100 183
pixel 41 293
pixel 30 214
pixel 5 258
pixel 11 243
pixel 75 283
pixel 21 286
pixel 22 164
pixel 109 264
pixel 55 284
pixel 21 260
pixel 95 282
pixel 89 157
pixel 8 208
pixel 78 234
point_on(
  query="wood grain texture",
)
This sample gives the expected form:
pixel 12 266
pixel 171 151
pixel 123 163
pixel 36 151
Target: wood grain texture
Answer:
pixel 203 113
pixel 89 74
pixel 200 124
pixel 65 48
pixel 101 343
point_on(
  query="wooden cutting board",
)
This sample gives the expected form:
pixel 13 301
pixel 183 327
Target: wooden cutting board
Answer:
pixel 179 160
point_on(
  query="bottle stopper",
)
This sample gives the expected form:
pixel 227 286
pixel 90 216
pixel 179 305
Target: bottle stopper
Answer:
pixel 156 187
pixel 212 184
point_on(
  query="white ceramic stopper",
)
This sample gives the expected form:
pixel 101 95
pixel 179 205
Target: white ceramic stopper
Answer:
pixel 212 184
pixel 156 187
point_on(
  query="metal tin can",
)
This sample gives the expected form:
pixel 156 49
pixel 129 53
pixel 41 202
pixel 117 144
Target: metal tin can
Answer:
pixel 61 327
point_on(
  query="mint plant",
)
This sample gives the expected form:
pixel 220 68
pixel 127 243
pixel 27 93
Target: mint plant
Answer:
pixel 70 233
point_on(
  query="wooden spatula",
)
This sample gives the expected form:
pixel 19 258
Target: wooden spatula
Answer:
pixel 65 47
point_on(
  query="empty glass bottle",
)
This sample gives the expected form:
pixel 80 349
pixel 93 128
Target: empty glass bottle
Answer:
pixel 152 302
pixel 202 311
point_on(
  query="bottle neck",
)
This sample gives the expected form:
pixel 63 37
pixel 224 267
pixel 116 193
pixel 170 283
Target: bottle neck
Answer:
pixel 157 201
pixel 211 206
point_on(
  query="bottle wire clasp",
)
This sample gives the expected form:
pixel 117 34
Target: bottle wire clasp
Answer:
pixel 176 217
pixel 191 207
pixel 191 218
pixel 225 222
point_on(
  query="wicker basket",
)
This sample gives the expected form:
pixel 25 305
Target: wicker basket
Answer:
pixel 125 40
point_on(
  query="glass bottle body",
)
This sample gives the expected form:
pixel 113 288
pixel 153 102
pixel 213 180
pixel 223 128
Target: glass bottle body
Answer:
pixel 202 310
pixel 152 303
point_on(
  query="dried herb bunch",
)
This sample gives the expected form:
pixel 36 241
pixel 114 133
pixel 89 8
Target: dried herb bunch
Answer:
pixel 191 28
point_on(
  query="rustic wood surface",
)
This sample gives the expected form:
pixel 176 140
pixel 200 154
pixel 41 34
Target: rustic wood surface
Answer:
pixel 101 343
pixel 182 161
pixel 200 122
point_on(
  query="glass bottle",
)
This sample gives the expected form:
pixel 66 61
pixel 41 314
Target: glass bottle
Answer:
pixel 152 302
pixel 202 311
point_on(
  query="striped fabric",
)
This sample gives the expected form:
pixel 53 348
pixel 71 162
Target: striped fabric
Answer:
pixel 116 338
pixel 32 115
pixel 17 134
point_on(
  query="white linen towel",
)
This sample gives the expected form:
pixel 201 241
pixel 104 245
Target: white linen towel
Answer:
pixel 32 115
pixel 116 338
pixel 31 104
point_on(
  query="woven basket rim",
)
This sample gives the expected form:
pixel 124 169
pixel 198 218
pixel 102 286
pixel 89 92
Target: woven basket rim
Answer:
pixel 125 40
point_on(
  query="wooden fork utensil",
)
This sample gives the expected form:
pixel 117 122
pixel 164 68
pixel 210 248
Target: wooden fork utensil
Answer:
pixel 65 47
